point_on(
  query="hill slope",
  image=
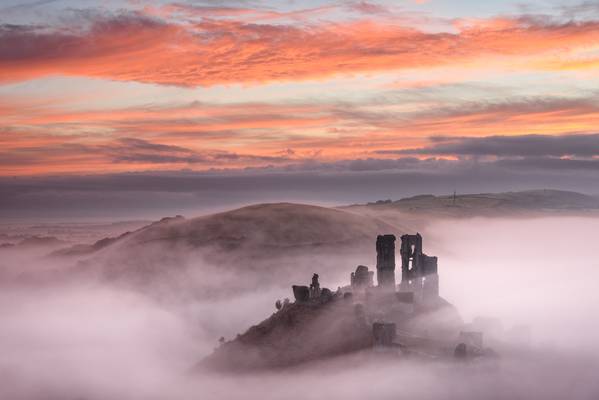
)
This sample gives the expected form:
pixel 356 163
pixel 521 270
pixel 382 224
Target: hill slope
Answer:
pixel 257 246
pixel 272 245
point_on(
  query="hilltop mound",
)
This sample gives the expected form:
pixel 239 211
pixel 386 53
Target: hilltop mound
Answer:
pixel 265 225
pixel 279 225
pixel 255 246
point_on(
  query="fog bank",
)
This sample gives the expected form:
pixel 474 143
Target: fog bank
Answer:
pixel 95 341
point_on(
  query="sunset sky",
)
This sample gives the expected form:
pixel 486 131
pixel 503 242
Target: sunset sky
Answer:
pixel 209 87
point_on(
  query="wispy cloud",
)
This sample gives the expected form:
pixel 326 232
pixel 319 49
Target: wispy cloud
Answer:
pixel 108 155
pixel 25 6
pixel 136 47
pixel 241 135
pixel 366 7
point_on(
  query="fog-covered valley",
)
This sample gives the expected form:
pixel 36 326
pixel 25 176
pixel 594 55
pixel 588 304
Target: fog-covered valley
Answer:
pixel 132 319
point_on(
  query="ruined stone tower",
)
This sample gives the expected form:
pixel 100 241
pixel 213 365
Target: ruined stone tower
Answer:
pixel 411 252
pixel 418 271
pixel 385 261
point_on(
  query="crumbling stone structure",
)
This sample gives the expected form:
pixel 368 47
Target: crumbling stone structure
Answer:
pixel 385 261
pixel 362 278
pixel 418 271
pixel 301 293
pixel 384 334
pixel 405 297
pixel 411 250
pixel 460 352
pixel 315 287
pixel 325 295
pixel 312 294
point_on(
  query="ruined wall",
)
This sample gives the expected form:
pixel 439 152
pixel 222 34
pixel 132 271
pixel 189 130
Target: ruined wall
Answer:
pixel 418 271
pixel 362 278
pixel 384 333
pixel 385 261
pixel 411 251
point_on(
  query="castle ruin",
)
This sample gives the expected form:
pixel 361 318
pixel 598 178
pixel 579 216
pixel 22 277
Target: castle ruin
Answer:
pixel 419 276
pixel 394 319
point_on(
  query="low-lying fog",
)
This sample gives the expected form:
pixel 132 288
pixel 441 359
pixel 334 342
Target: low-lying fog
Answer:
pixel 91 341
pixel 541 272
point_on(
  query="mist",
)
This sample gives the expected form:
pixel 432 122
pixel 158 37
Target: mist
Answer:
pixel 93 339
pixel 536 272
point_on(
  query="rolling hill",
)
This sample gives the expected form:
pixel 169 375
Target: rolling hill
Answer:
pixel 272 245
pixel 264 245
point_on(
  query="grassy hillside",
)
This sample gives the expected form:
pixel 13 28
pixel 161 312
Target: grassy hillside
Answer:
pixel 265 245
pixel 531 203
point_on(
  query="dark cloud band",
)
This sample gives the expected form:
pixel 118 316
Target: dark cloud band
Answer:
pixel 570 145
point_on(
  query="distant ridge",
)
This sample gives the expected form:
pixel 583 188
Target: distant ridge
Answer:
pixel 492 204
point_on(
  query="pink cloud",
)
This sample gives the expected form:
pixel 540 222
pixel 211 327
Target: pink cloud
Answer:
pixel 138 48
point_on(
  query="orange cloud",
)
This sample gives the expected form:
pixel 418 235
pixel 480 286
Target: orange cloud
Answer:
pixel 203 136
pixel 546 116
pixel 135 47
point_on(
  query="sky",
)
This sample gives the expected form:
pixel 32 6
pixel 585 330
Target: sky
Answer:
pixel 495 91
